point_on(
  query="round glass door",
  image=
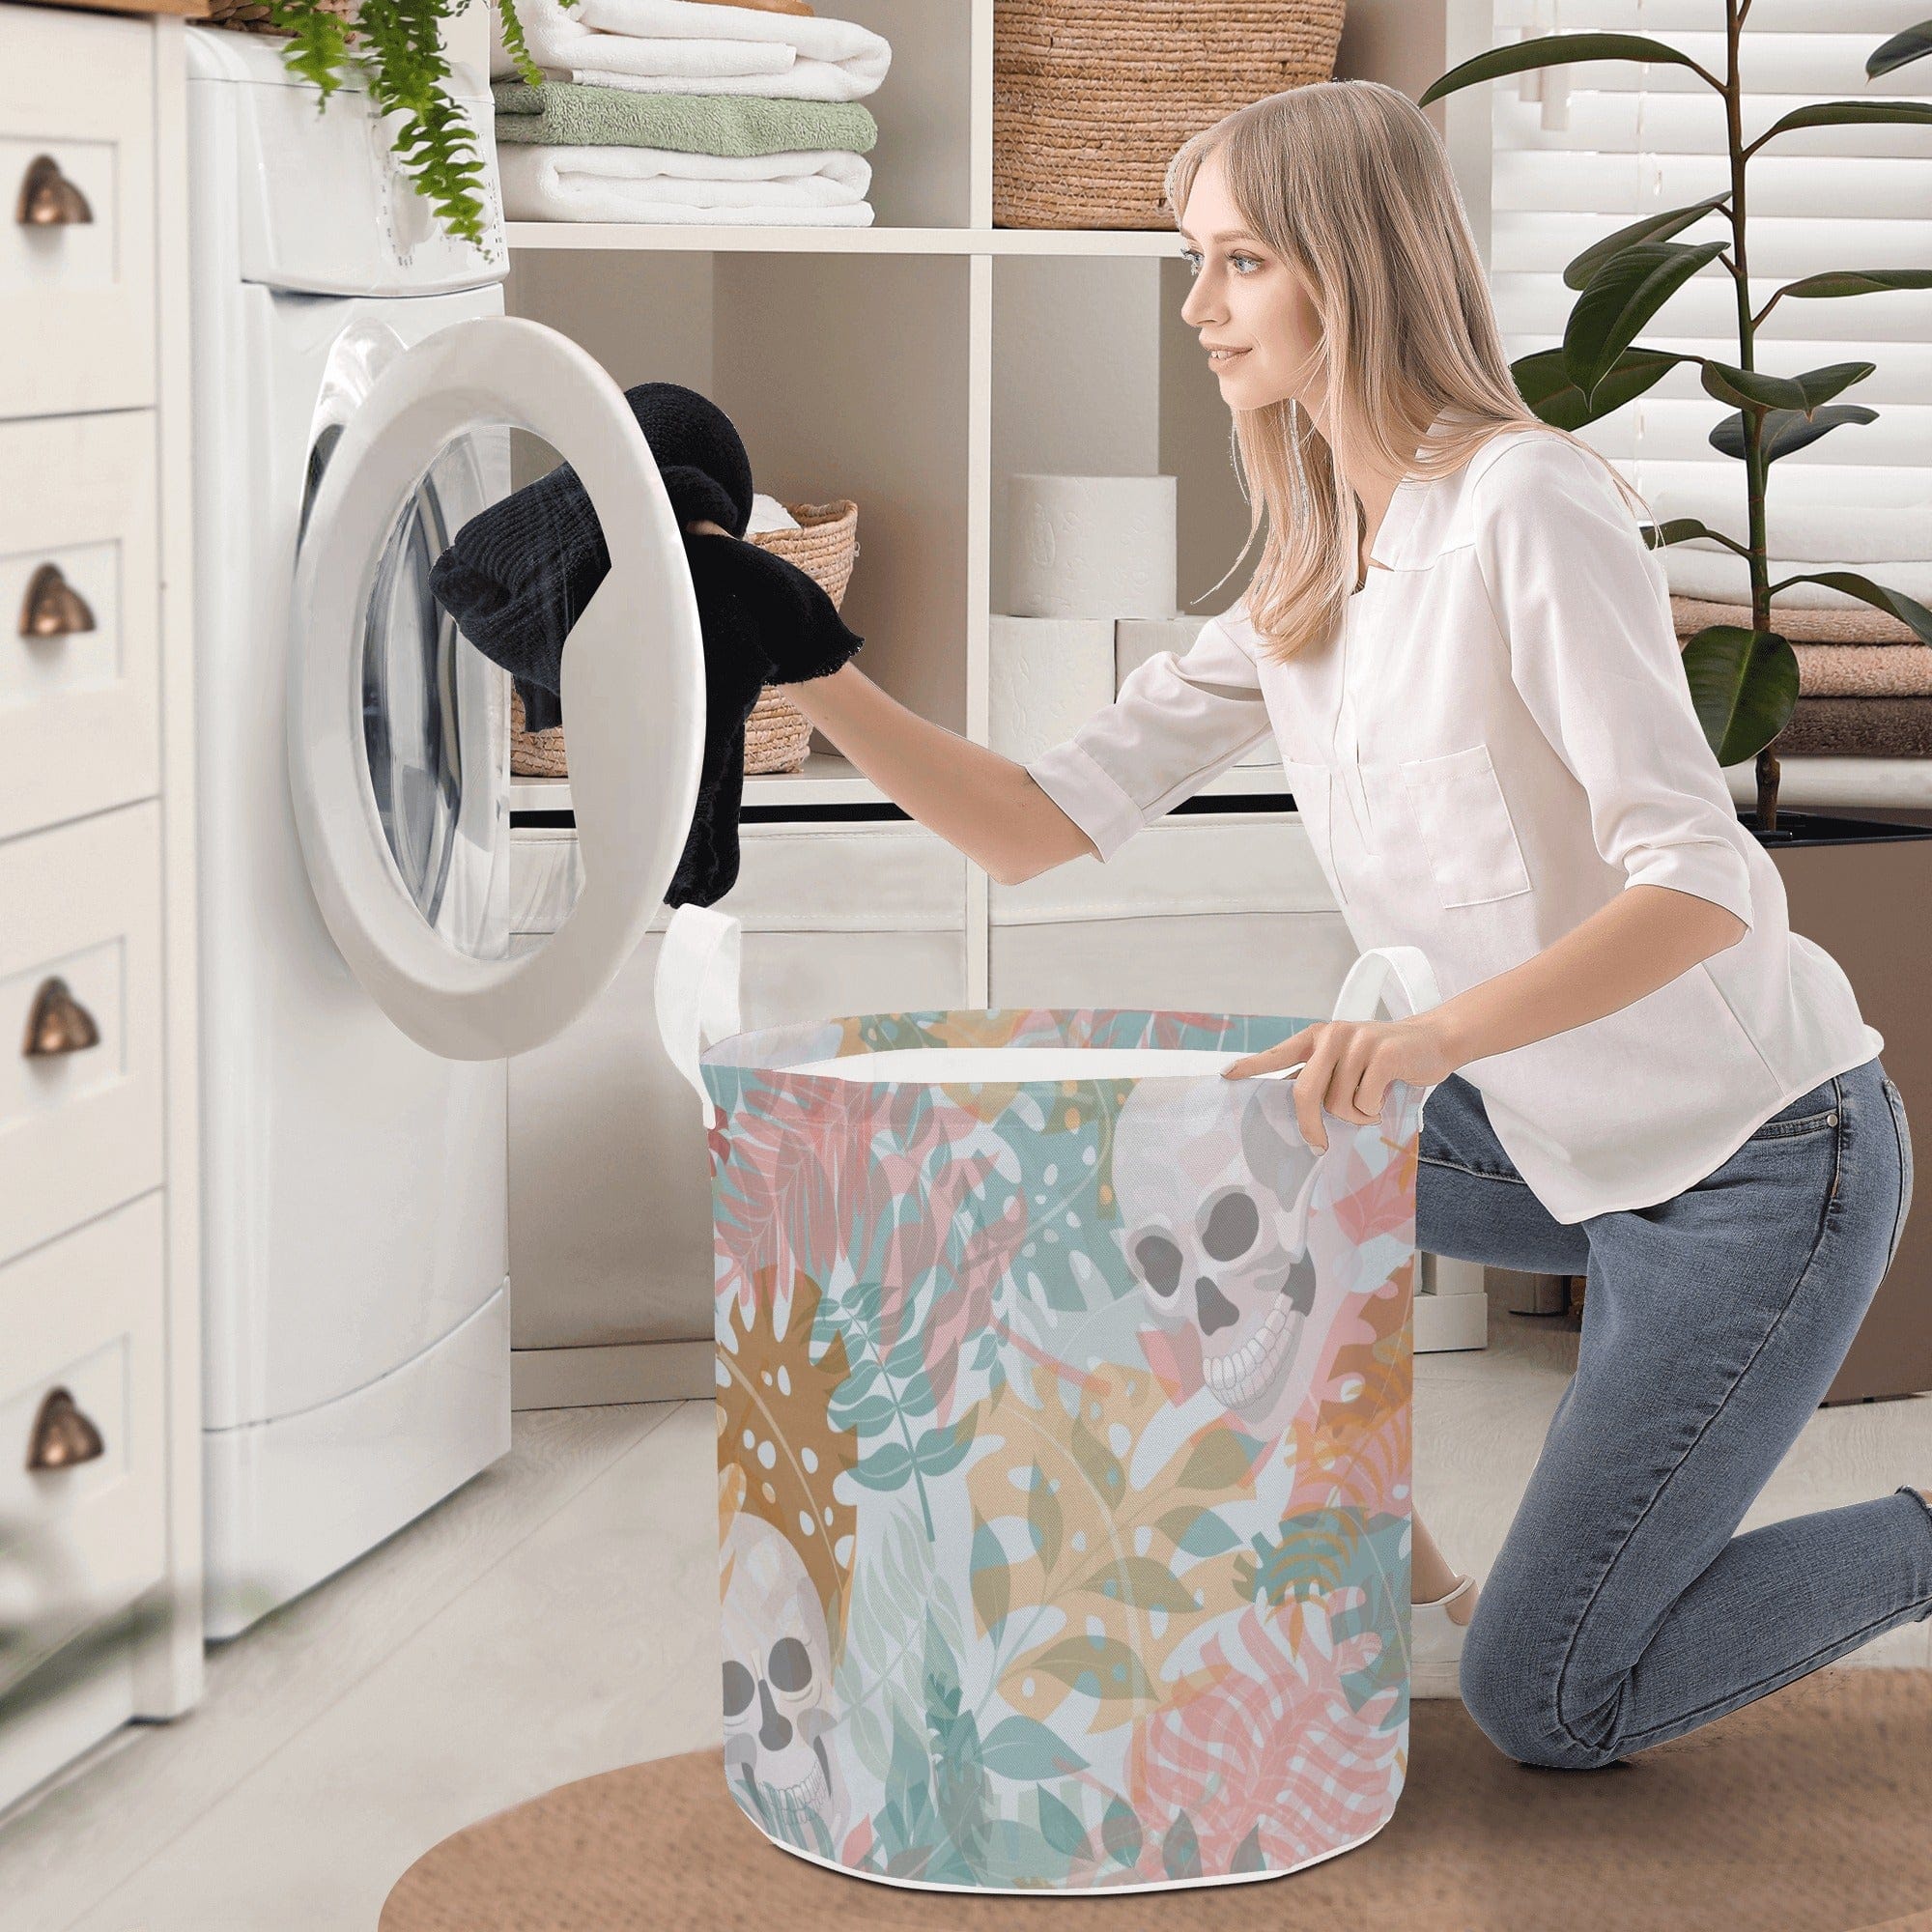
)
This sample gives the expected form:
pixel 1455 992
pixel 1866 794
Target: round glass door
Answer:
pixel 399 725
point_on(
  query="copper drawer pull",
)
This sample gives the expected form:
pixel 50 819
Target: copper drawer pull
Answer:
pixel 58 1023
pixel 63 1435
pixel 48 199
pixel 52 606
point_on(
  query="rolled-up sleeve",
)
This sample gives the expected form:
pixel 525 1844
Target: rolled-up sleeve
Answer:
pixel 1585 610
pixel 1178 722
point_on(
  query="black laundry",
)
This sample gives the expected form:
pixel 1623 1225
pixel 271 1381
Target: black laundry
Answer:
pixel 518 574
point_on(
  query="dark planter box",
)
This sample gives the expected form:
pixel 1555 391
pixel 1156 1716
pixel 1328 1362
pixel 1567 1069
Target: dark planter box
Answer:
pixel 1861 888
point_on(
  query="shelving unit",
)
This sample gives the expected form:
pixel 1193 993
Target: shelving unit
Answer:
pixel 830 780
pixel 914 366
pixel 577 237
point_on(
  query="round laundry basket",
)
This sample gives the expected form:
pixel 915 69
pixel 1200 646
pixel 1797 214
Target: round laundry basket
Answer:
pixel 1063 1436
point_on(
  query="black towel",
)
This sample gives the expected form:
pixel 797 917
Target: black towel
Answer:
pixel 518 574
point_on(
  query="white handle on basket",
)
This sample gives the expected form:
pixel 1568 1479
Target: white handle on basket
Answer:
pixel 1398 975
pixel 697 989
pixel 1367 981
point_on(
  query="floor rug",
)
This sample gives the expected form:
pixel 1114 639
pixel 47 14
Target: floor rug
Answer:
pixel 1810 1809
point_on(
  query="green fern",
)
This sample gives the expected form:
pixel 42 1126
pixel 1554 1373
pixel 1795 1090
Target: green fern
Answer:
pixel 398 47
pixel 514 41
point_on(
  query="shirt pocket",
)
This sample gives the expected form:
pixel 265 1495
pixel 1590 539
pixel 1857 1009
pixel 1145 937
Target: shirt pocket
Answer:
pixel 1465 827
pixel 1312 788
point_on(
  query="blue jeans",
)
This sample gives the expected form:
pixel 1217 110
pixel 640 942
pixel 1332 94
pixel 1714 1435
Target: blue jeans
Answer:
pixel 1622 1608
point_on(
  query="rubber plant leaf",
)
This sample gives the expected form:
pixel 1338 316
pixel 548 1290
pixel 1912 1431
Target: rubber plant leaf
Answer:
pixel 1551 50
pixel 1743 684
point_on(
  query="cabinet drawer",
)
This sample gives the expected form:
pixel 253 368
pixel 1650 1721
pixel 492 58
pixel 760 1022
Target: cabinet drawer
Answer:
pixel 80 1130
pixel 76 212
pixel 84 1314
pixel 1227 912
pixel 1223 862
pixel 860 879
pixel 78 616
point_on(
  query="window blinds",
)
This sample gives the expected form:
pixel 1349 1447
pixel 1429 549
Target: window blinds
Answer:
pixel 1581 151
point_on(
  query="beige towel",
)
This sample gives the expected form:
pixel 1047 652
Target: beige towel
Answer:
pixel 1861 625
pixel 1863 671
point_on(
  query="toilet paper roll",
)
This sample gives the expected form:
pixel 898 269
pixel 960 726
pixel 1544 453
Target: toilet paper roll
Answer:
pixel 1047 676
pixel 1138 639
pixel 1091 546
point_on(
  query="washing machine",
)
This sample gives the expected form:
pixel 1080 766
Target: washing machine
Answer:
pixel 357 394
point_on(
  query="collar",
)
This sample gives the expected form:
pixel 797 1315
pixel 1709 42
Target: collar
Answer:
pixel 1406 540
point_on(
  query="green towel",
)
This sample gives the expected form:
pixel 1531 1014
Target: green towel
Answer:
pixel 573 114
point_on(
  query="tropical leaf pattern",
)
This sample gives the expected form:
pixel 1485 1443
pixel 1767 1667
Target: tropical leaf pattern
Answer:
pixel 1044 1567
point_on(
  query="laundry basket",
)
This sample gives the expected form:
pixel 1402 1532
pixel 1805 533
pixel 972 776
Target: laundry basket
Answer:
pixel 1063 1436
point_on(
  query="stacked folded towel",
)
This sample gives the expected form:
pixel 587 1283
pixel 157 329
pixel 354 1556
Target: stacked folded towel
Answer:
pixel 1864 680
pixel 687 111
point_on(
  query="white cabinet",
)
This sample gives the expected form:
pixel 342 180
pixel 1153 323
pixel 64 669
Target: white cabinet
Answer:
pixel 1225 911
pixel 79 576
pixel 99 1276
pixel 611 1231
pixel 610 1188
pixel 78 97
pixel 85 1362
pixel 80 1016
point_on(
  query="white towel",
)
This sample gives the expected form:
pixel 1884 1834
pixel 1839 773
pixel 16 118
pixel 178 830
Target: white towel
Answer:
pixel 691 47
pixel 1888 542
pixel 1722 576
pixel 808 186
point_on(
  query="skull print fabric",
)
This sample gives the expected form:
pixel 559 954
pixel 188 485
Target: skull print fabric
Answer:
pixel 1064 1456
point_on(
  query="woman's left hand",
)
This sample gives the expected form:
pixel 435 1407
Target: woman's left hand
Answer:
pixel 1349 1067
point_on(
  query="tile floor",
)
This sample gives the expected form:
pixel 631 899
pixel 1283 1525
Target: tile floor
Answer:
pixel 554 1618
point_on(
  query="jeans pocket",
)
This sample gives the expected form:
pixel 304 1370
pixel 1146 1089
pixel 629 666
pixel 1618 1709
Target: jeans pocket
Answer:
pixel 1897 1104
pixel 1813 1112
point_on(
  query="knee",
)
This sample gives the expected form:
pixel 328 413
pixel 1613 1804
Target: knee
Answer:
pixel 1509 1676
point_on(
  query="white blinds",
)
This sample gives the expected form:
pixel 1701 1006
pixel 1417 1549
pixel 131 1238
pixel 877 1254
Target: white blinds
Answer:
pixel 1583 151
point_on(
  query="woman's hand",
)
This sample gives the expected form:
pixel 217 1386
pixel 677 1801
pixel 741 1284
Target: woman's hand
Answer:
pixel 703 527
pixel 1350 1064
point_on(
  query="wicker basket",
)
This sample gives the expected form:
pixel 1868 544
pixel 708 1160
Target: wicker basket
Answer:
pixel 251 17
pixel 777 734
pixel 1091 97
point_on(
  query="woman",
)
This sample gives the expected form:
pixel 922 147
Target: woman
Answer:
pixel 1463 648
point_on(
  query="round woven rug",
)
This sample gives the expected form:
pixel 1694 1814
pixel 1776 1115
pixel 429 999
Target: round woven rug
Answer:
pixel 1811 1808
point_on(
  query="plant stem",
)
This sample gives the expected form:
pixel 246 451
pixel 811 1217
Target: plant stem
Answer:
pixel 1753 419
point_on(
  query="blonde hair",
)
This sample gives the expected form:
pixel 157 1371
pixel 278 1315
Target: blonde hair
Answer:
pixel 1347 181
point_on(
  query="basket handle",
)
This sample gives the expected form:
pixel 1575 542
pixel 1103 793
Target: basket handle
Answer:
pixel 1369 981
pixel 695 991
pixel 1398 975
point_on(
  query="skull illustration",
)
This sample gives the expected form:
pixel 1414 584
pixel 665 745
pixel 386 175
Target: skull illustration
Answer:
pixel 1214 1201
pixel 778 1673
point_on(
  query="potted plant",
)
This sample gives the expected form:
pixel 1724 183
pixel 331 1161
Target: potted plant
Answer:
pixel 1850 877
pixel 397 44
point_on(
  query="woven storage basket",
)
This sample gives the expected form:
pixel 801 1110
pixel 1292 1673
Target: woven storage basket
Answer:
pixel 825 546
pixel 1091 97
pixel 251 17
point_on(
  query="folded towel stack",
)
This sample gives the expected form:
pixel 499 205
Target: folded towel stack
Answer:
pixel 1864 680
pixel 699 111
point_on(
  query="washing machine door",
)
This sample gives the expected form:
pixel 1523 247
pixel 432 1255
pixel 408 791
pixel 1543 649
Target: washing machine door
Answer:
pixel 398 740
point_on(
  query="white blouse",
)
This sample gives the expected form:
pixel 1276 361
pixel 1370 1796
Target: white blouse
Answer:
pixel 1500 741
